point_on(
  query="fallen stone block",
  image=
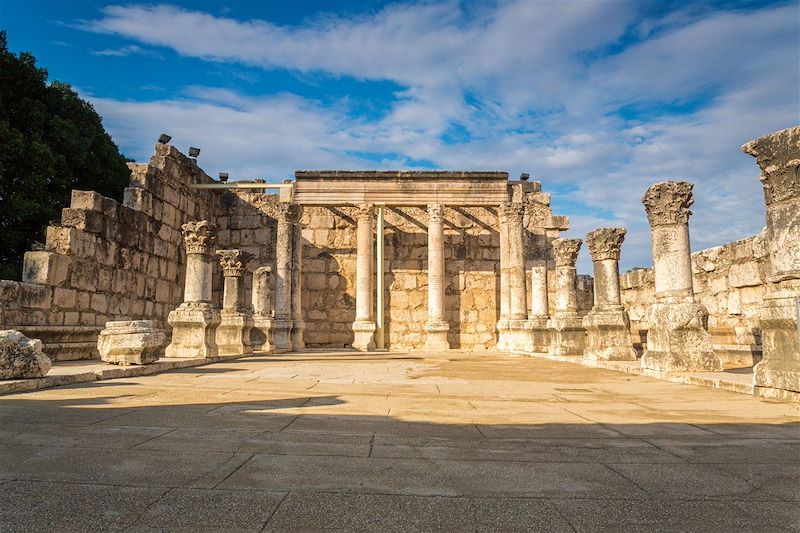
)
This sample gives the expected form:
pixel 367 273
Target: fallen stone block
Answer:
pixel 21 357
pixel 136 342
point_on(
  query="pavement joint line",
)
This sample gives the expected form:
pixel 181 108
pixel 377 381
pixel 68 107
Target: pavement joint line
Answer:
pixel 478 427
pixel 626 478
pixel 152 438
pixel 562 515
pixel 681 459
pixel 286 495
pixel 127 411
pixel 371 445
pixel 233 471
pixel 290 423
pixel 140 517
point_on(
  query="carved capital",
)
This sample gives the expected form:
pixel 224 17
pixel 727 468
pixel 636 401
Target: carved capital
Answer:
pixel 435 213
pixel 263 271
pixel 668 202
pixel 365 213
pixel 512 213
pixel 199 236
pixel 605 243
pixel 778 157
pixel 566 251
pixel 288 213
pixel 233 262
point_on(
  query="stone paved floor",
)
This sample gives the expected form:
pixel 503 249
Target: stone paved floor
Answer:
pixel 397 442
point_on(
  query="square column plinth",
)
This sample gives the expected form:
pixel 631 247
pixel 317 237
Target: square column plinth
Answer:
pixel 194 326
pixel 608 336
pixel 677 340
pixel 261 336
pixel 538 335
pixel 364 336
pixel 566 335
pixel 233 333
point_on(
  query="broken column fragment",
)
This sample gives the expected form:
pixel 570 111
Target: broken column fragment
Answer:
pixel 566 327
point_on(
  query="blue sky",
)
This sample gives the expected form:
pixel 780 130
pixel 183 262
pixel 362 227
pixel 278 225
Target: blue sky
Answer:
pixel 596 99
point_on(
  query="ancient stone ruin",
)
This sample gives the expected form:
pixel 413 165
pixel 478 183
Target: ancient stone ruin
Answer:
pixel 412 260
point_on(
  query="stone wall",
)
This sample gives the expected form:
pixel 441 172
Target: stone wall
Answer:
pixel 105 261
pixel 728 280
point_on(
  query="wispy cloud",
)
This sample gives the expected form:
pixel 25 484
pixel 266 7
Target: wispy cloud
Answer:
pixel 131 49
pixel 596 99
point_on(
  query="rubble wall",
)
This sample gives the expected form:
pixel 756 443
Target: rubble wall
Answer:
pixel 729 280
pixel 109 261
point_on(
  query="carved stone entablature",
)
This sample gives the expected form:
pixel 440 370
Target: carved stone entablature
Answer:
pixel 605 243
pixel 435 212
pixel 667 202
pixel 566 251
pixel 778 157
pixel 365 212
pixel 512 212
pixel 199 237
pixel 233 262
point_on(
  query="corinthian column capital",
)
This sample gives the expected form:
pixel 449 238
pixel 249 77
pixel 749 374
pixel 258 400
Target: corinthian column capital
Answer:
pixel 435 212
pixel 233 262
pixel 365 213
pixel 605 243
pixel 566 251
pixel 778 157
pixel 199 236
pixel 668 202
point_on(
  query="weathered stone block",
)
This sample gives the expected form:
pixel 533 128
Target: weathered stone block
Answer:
pixel 45 268
pixel 135 342
pixel 64 298
pixel 83 219
pixel 87 200
pixel 35 296
pixel 745 275
pixel 21 357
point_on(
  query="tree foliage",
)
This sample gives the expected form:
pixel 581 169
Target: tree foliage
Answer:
pixel 51 141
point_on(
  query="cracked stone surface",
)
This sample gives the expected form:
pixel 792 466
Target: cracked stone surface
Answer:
pixel 397 442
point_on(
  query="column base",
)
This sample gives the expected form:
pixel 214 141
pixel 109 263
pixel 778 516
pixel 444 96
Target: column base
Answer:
pixel 233 333
pixel 567 336
pixel 261 336
pixel 282 334
pixel 436 336
pixel 608 336
pixel 364 335
pixel 193 328
pixel 539 335
pixel 780 366
pixel 513 335
pixel 677 340
pixel 298 335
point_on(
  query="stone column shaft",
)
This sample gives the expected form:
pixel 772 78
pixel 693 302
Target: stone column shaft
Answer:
pixel 298 324
pixel 518 301
pixel 194 322
pixel 566 327
pixel 261 336
pixel 538 316
pixel 364 325
pixel 233 333
pixel 283 277
pixel 437 326
pixel 607 325
pixel 676 339
pixel 777 375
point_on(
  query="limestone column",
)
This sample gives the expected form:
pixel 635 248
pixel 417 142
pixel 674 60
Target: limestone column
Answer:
pixel 607 326
pixel 194 322
pixel 539 313
pixel 676 339
pixel 437 326
pixel 513 335
pixel 283 277
pixel 261 335
pixel 298 324
pixel 778 157
pixel 505 294
pixel 364 325
pixel 233 333
pixel 566 327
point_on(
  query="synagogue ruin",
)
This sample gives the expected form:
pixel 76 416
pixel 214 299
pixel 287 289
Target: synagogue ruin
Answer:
pixel 190 267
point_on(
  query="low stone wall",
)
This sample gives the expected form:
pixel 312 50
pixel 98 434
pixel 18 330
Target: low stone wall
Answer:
pixel 105 261
pixel 728 280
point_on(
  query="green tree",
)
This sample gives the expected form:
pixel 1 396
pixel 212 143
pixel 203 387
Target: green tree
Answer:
pixel 51 142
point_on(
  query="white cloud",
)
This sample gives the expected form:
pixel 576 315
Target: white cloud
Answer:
pixel 534 85
pixel 125 51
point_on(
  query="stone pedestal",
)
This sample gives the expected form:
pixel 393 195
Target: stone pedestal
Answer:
pixel 130 342
pixel 436 327
pixel 607 325
pixel 677 338
pixel 566 327
pixel 538 334
pixel 194 322
pixel 364 326
pixel 193 331
pixel 778 157
pixel 233 332
pixel 261 336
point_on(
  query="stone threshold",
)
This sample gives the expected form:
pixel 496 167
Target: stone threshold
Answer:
pixel 71 372
pixel 734 379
